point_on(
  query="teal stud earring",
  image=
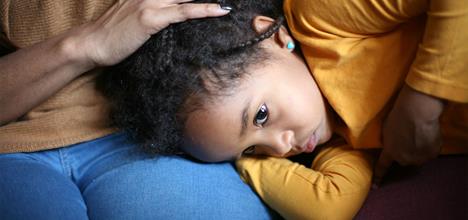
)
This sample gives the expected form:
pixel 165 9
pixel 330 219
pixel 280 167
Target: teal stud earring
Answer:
pixel 290 45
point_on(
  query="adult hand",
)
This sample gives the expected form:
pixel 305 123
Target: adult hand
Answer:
pixel 411 132
pixel 128 24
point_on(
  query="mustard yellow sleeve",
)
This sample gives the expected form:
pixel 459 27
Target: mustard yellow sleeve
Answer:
pixel 333 188
pixel 329 19
pixel 441 64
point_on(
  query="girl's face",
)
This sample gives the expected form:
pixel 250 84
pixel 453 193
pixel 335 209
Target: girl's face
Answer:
pixel 277 110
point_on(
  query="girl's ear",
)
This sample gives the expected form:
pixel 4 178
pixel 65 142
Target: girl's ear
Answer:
pixel 282 38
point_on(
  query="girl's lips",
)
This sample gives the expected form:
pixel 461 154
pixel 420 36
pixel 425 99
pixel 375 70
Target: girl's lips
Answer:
pixel 310 145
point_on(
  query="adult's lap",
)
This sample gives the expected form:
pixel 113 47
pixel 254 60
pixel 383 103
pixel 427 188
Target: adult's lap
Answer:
pixel 108 179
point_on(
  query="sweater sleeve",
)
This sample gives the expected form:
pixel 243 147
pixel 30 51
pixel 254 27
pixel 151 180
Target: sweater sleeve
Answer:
pixel 440 67
pixel 339 179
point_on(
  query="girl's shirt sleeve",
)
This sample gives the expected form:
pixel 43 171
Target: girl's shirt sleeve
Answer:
pixel 440 67
pixel 441 64
pixel 334 187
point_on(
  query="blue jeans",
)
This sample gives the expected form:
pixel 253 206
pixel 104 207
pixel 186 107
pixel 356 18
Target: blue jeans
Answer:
pixel 110 178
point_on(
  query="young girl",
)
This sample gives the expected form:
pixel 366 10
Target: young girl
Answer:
pixel 221 88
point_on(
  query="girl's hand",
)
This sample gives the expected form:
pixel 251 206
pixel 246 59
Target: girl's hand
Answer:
pixel 128 24
pixel 411 132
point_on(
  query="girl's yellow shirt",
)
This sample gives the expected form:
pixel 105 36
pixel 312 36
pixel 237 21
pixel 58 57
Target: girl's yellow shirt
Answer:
pixel 360 54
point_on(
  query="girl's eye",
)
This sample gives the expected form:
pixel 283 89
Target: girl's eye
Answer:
pixel 250 150
pixel 262 116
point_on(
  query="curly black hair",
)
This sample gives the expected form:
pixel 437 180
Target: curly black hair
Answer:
pixel 183 67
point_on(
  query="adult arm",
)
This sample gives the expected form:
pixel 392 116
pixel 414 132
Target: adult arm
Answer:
pixel 30 75
pixel 333 188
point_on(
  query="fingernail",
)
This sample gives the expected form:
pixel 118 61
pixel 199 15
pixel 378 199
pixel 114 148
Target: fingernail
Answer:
pixel 225 7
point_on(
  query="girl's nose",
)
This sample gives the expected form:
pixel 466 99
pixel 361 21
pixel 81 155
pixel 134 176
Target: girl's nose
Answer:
pixel 281 143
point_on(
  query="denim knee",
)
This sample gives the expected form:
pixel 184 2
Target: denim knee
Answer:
pixel 32 190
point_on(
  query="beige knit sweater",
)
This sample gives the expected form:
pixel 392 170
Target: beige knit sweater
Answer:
pixel 76 113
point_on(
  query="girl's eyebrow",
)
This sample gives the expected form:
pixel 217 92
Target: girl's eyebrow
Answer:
pixel 244 118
